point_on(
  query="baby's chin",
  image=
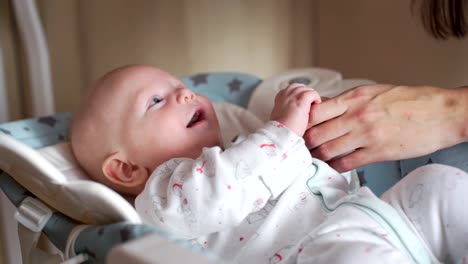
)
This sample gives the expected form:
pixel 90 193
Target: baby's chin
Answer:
pixel 194 151
pixel 220 142
pixel 216 142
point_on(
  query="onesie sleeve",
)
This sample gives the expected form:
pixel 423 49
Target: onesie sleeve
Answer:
pixel 191 198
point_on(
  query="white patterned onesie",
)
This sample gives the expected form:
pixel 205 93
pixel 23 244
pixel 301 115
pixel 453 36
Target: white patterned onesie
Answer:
pixel 265 200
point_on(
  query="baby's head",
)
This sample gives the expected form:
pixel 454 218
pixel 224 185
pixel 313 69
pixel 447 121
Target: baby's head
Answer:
pixel 134 119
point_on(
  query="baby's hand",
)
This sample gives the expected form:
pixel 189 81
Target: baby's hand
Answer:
pixel 292 107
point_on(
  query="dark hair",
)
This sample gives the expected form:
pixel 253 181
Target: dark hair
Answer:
pixel 442 18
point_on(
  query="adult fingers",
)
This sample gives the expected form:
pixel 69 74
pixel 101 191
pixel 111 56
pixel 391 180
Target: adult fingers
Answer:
pixel 355 159
pixel 336 148
pixel 324 132
pixel 326 110
pixel 338 105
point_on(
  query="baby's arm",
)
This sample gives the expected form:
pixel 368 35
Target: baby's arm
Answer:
pixel 220 188
pixel 292 107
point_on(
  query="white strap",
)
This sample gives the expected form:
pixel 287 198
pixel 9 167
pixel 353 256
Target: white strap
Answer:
pixel 32 215
pixel 28 240
pixel 29 251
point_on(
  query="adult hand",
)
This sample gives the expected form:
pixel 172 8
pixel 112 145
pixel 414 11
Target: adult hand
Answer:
pixel 385 122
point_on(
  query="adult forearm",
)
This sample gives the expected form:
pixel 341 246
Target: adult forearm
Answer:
pixel 460 97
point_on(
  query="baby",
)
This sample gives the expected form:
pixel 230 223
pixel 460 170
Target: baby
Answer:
pixel 264 199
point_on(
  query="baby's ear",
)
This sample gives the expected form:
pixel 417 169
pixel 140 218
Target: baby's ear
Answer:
pixel 119 170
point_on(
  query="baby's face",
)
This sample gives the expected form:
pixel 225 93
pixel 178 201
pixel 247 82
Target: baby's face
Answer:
pixel 159 119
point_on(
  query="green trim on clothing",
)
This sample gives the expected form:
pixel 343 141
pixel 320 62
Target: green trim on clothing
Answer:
pixel 331 198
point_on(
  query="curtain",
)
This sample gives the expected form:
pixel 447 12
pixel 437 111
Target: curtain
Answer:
pixel 87 38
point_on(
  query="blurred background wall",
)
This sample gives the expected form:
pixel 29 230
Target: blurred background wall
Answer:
pixel 379 40
pixel 382 40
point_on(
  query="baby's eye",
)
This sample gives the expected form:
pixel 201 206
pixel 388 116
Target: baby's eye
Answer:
pixel 155 100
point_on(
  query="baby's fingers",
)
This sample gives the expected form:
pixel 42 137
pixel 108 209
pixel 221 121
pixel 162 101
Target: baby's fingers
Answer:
pixel 316 98
pixel 307 95
pixel 292 89
pixel 289 92
pixel 295 85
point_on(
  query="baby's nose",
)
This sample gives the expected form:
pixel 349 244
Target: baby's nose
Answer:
pixel 184 95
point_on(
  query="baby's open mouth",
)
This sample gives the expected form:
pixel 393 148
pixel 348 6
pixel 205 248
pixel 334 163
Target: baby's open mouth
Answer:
pixel 197 117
